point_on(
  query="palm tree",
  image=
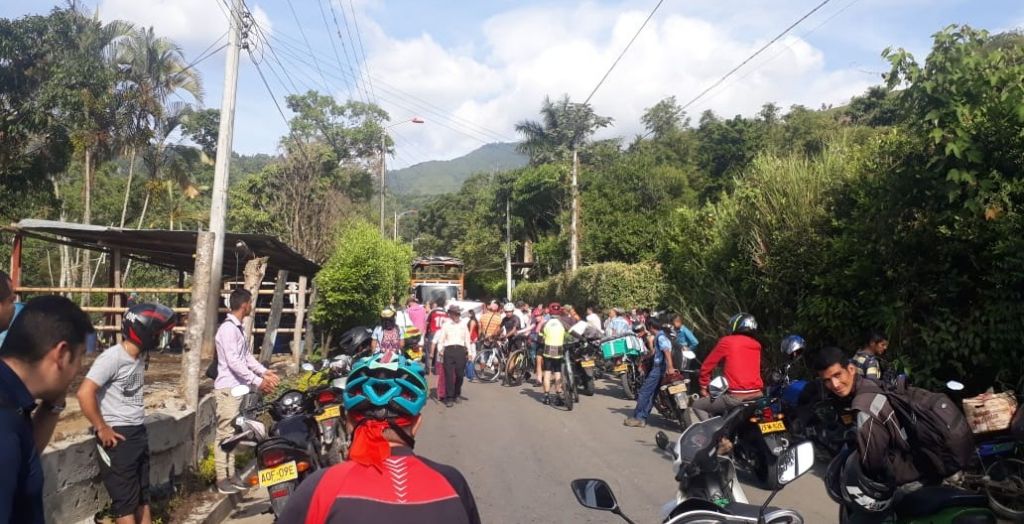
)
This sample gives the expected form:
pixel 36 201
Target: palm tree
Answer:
pixel 156 69
pixel 564 125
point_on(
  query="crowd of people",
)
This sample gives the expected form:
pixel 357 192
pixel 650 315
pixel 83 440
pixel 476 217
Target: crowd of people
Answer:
pixel 45 340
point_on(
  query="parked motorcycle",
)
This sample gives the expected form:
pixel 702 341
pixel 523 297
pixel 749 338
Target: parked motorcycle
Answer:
pixel 623 353
pixel 287 453
pixel 707 487
pixel 326 385
pixel 585 350
pixel 678 390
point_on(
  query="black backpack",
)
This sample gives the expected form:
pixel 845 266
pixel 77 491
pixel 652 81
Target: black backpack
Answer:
pixel 941 440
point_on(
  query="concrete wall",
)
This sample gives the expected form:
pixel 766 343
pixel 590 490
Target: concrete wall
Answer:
pixel 73 491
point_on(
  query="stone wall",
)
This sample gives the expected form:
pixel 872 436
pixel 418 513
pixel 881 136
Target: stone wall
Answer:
pixel 73 492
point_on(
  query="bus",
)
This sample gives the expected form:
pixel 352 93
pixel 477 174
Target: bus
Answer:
pixel 436 278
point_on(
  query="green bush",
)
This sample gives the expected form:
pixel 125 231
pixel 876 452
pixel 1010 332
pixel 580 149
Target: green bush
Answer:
pixel 365 273
pixel 607 285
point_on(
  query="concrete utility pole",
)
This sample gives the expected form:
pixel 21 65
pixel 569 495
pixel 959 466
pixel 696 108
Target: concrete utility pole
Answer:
pixel 508 248
pixel 383 178
pixel 210 251
pixel 574 227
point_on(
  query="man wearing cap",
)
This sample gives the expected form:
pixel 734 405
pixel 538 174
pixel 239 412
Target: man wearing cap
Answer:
pixel 451 344
pixel 553 334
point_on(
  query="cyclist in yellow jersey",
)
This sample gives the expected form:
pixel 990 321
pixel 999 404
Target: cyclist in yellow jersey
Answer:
pixel 553 334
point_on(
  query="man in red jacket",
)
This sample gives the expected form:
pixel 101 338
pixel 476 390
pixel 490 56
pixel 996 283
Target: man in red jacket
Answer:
pixel 741 352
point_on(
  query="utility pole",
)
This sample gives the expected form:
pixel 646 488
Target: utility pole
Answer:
pixel 210 255
pixel 574 227
pixel 383 179
pixel 508 248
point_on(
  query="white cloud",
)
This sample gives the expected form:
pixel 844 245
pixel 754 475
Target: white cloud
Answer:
pixel 532 52
pixel 190 23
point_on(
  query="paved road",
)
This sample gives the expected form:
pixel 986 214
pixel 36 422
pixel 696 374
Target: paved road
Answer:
pixel 520 455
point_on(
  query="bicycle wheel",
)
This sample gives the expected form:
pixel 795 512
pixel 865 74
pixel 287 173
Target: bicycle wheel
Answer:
pixel 487 365
pixel 1004 488
pixel 568 388
pixel 515 368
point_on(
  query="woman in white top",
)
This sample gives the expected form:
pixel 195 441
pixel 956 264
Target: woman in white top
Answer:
pixel 451 344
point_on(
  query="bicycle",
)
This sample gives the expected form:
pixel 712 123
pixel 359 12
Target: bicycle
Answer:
pixel 489 363
pixel 518 365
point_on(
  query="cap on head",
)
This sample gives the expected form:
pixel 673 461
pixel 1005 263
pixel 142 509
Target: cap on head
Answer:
pixel 454 310
pixel 554 308
pixel 387 313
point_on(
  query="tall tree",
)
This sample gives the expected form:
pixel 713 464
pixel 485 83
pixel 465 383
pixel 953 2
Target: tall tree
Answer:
pixel 564 125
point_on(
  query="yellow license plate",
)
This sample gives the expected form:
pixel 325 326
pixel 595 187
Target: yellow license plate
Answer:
pixel 847 419
pixel 772 427
pixel 329 412
pixel 621 368
pixel 276 475
pixel 587 363
pixel 678 388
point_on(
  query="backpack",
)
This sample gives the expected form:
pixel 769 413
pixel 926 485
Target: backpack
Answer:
pixel 943 443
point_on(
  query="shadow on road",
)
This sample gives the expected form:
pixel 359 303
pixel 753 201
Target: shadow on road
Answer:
pixel 253 509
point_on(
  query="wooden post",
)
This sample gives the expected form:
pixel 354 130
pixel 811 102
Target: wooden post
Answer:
pixel 255 270
pixel 274 321
pixel 16 261
pixel 300 317
pixel 192 353
pixel 115 281
pixel 307 344
pixel 181 284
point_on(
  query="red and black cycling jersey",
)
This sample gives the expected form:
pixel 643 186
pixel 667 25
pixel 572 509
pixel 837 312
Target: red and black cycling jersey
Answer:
pixel 405 488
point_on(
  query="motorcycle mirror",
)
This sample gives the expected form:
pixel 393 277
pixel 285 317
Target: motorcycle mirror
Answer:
pixel 240 390
pixel 795 461
pixel 953 385
pixel 689 355
pixel 594 494
pixel 306 366
pixel 718 386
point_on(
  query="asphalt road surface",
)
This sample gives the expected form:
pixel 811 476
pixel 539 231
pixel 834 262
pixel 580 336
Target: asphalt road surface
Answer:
pixel 520 455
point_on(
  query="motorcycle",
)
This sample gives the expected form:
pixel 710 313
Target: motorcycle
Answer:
pixel 286 454
pixel 585 352
pixel 354 341
pixel 707 487
pixel 623 353
pixel 325 388
pixel 678 390
pixel 813 414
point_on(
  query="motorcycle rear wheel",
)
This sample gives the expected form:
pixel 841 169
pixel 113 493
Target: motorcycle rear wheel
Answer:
pixel 588 386
pixel 627 386
pixel 1005 488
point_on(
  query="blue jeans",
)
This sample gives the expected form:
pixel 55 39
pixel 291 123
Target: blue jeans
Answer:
pixel 645 398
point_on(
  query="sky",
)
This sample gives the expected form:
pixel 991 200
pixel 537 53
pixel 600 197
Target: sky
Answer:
pixel 472 69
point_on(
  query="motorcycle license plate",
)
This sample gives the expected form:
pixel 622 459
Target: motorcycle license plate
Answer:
pixel 329 412
pixel 847 419
pixel 772 427
pixel 587 363
pixel 676 388
pixel 621 368
pixel 278 474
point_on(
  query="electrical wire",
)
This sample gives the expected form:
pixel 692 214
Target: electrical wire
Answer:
pixel 306 40
pixel 623 53
pixel 355 53
pixel 334 46
pixel 362 49
pixel 758 52
pixel 280 111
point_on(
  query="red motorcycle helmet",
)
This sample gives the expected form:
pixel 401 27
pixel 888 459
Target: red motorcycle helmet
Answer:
pixel 143 323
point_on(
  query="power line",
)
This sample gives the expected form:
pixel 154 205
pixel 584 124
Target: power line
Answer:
pixel 788 46
pixel 279 110
pixel 334 46
pixel 623 53
pixel 759 51
pixel 362 49
pixel 303 33
pixel 355 54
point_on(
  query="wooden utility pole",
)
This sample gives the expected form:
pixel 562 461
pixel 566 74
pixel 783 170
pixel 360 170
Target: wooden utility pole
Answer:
pixel 574 227
pixel 300 344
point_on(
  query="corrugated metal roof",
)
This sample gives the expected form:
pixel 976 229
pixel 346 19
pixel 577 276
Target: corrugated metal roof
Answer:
pixel 164 247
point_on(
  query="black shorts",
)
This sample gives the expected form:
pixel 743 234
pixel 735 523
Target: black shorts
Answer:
pixel 553 365
pixel 127 476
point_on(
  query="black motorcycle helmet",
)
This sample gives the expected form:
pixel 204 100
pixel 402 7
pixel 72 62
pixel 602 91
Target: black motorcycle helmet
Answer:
pixel 143 323
pixel 354 339
pixel 849 486
pixel 742 323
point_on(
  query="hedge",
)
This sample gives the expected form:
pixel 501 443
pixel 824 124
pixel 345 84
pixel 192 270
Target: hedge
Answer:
pixel 607 285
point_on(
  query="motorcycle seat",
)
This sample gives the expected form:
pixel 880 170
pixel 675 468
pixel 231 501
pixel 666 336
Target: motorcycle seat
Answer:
pixel 933 499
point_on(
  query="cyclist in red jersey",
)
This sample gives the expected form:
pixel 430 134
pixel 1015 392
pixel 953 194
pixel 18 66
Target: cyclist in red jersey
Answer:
pixel 383 480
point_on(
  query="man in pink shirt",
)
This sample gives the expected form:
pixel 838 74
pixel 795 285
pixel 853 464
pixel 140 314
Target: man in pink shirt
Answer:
pixel 235 366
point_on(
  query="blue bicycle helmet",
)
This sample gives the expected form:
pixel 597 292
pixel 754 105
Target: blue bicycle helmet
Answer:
pixel 386 389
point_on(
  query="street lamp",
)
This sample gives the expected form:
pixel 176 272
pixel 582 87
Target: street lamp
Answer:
pixel 398 216
pixel 383 168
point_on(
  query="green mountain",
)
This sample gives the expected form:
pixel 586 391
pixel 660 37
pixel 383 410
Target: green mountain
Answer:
pixel 446 176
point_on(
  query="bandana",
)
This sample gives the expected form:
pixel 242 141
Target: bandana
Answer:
pixel 369 446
